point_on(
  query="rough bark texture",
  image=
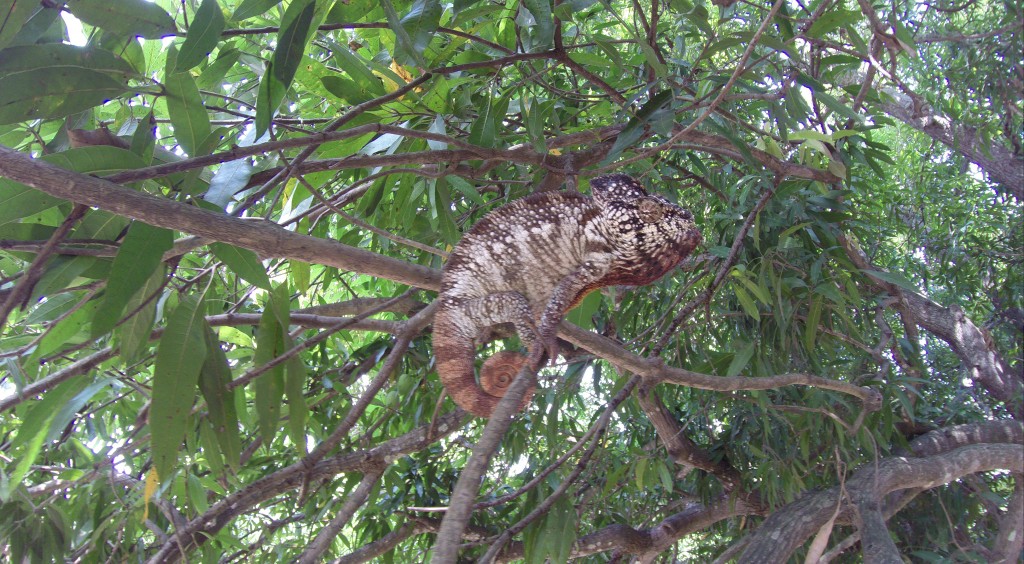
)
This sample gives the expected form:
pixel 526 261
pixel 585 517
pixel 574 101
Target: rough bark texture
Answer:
pixel 998 162
pixel 862 497
pixel 267 239
pixel 971 343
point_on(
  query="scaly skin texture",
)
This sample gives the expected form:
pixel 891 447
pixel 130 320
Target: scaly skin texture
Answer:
pixel 530 261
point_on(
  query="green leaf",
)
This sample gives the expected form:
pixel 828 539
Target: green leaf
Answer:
pixel 50 81
pixel 268 98
pixel 484 131
pixel 790 231
pixel 67 332
pixel 904 37
pixel 837 106
pixel 831 20
pixel 558 534
pixel 660 70
pixel 292 39
pixel 15 14
pixel 252 8
pixel 892 278
pixel 242 262
pixel 186 110
pixel 69 411
pixel 98 160
pixel 810 134
pixel 140 254
pixel 415 30
pixel 125 17
pixel 813 318
pixel 60 272
pixel 228 180
pixel 214 74
pixel 746 302
pixel 18 201
pixel 295 386
pixel 53 308
pixel 348 90
pixel 544 31
pixel 740 360
pixel 270 343
pixel 466 189
pixel 667 482
pixel 179 359
pixel 144 139
pixel 133 334
pixel 299 273
pixel 637 124
pixel 583 314
pixel 760 292
pixel 36 424
pixel 214 378
pixel 203 35
pixel 639 472
pixel 358 71
pixel 43 26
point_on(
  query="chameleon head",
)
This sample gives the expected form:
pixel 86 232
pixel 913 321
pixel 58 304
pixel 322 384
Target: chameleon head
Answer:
pixel 650 235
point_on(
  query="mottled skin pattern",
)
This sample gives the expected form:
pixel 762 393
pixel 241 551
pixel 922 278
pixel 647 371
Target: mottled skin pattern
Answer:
pixel 530 261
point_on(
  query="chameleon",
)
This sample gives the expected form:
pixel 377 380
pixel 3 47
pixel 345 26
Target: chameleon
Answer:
pixel 528 262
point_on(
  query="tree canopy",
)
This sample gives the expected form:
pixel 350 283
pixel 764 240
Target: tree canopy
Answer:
pixel 221 233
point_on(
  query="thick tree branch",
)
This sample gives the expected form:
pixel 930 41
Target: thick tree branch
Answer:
pixel 971 343
pixel 788 528
pixel 449 537
pixel 265 238
pixel 997 161
pixel 646 543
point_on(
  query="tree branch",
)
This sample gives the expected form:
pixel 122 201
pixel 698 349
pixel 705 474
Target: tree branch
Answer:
pixel 971 343
pixel 265 238
pixel 788 528
pixel 994 159
pixel 205 526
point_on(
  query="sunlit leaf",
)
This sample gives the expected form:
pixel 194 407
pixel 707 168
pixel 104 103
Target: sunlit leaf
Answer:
pixel 124 17
pixel 179 358
pixel 140 254
pixel 186 110
pixel 242 262
pixel 202 37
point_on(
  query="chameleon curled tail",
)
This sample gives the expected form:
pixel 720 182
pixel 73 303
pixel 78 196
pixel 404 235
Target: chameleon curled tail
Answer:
pixel 455 357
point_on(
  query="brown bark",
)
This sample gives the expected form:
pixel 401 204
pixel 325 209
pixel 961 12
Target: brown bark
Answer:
pixel 997 161
pixel 971 343
pixel 863 495
pixel 265 238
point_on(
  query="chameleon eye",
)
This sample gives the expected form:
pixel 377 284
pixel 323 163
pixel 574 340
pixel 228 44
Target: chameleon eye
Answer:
pixel 650 210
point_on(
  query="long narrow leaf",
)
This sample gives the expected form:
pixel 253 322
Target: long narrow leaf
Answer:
pixel 179 358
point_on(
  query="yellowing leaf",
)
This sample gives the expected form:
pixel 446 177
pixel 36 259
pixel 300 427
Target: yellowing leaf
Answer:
pixel 152 481
pixel 400 71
